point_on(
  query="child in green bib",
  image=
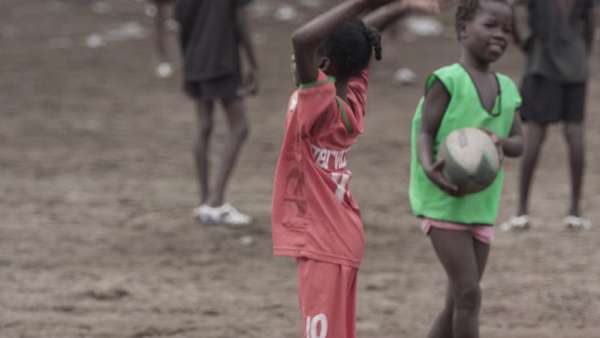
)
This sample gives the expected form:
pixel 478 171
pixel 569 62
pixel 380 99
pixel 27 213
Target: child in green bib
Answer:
pixel 461 95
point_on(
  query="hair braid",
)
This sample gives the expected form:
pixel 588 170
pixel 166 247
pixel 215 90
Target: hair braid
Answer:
pixel 375 41
pixel 351 46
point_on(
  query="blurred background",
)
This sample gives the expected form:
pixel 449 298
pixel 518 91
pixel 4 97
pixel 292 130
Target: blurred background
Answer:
pixel 97 185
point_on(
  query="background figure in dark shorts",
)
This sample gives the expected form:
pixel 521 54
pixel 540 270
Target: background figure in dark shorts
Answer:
pixel 557 46
pixel 212 33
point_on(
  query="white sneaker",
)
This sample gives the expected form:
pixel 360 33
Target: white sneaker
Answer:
pixel 577 223
pixel 231 215
pixel 225 214
pixel 207 215
pixel 517 223
pixel 164 70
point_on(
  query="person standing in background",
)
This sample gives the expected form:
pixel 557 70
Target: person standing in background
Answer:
pixel 560 39
pixel 212 33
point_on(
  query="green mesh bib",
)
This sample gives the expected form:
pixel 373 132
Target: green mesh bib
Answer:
pixel 465 109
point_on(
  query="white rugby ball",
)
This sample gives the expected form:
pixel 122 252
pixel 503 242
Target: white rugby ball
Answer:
pixel 471 159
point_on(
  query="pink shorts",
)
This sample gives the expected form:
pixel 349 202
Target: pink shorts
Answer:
pixel 327 295
pixel 483 233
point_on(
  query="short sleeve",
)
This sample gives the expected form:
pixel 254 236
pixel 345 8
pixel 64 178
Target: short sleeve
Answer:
pixel 511 96
pixel 358 86
pixel 518 100
pixel 515 94
pixel 315 100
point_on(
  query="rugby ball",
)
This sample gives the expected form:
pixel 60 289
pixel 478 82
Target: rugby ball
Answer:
pixel 471 159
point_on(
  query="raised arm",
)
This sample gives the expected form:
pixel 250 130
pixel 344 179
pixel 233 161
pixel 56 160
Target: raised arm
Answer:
pixel 386 15
pixel 307 39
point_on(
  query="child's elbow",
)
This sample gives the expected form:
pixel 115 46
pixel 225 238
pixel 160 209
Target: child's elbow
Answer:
pixel 299 38
pixel 516 149
pixel 304 38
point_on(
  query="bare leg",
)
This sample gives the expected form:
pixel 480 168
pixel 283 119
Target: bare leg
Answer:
pixel 464 260
pixel 575 140
pixel 204 110
pixel 535 135
pixel 442 326
pixel 238 132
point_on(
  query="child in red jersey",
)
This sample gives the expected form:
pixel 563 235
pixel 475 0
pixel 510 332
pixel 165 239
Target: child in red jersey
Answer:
pixel 315 217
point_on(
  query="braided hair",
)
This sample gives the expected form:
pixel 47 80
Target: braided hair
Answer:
pixel 351 46
pixel 466 10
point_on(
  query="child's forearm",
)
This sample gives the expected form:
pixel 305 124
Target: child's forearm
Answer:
pixel 314 32
pixel 307 39
pixel 383 17
pixel 425 150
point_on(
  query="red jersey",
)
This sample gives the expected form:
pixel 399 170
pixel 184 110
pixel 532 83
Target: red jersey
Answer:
pixel 314 215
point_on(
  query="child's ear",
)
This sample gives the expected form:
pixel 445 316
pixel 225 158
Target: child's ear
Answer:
pixel 324 64
pixel 462 32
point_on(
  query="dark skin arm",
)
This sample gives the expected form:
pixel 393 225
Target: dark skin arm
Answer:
pixel 435 105
pixel 243 29
pixel 516 33
pixel 382 18
pixel 590 29
pixel 512 146
pixel 307 39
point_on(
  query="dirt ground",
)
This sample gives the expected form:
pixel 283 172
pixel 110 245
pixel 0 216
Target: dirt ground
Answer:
pixel 97 187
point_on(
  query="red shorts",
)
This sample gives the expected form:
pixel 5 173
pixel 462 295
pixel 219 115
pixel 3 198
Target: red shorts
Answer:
pixel 327 295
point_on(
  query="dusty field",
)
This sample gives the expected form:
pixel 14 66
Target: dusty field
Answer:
pixel 97 188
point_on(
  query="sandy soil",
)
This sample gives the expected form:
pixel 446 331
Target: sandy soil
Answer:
pixel 97 188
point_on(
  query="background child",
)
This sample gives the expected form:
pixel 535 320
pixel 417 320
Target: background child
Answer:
pixel 315 217
pixel 554 90
pixel 464 94
pixel 211 35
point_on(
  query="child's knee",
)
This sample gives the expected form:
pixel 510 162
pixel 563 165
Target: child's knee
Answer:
pixel 205 130
pixel 467 296
pixel 241 130
pixel 573 133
